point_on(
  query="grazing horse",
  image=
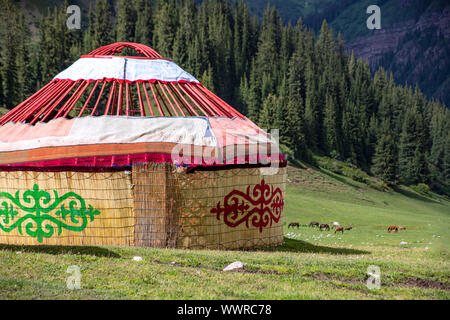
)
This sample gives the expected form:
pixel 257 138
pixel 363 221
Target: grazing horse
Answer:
pixel 336 224
pixel 393 228
pixel 349 228
pixel 294 224
pixel 401 228
pixel 341 229
pixel 314 224
pixel 324 226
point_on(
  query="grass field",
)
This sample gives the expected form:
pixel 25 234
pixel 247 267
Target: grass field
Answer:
pixel 312 264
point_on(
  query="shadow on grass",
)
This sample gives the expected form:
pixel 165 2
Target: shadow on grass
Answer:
pixel 338 178
pixel 57 250
pixel 292 245
pixel 413 195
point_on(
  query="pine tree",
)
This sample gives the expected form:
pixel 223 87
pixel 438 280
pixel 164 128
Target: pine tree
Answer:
pixel 164 27
pixel 267 118
pixel 144 23
pixel 103 29
pixel 9 70
pixel 126 21
pixel 412 159
pixel 221 46
pixel 331 126
pixel 88 37
pixel 385 158
pixel 446 161
pixel 313 107
pixel 268 49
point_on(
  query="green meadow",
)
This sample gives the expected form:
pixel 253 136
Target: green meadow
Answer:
pixel 312 264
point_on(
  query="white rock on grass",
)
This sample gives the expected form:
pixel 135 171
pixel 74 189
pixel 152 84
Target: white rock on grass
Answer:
pixel 137 258
pixel 237 265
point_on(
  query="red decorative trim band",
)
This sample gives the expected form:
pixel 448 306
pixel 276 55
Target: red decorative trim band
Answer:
pixel 125 160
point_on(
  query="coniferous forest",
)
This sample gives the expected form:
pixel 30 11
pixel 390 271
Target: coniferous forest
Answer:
pixel 323 100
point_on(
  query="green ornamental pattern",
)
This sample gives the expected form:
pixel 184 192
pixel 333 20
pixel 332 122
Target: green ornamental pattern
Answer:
pixel 38 222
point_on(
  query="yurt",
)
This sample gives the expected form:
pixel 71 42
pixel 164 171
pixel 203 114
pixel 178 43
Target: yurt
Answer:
pixel 125 148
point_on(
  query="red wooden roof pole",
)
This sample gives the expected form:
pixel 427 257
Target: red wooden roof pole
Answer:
pixel 141 102
pixel 13 111
pixel 162 99
pixel 127 112
pixel 108 104
pixel 212 102
pixel 194 97
pixel 88 99
pixel 221 102
pixel 113 104
pixel 183 100
pixel 38 102
pixel 131 100
pixel 193 100
pixel 71 98
pixel 56 103
pixel 120 100
pixel 150 108
pixel 77 98
pixel 201 96
pixel 156 99
pixel 168 89
pixel 168 100
pixel 49 101
pixel 98 99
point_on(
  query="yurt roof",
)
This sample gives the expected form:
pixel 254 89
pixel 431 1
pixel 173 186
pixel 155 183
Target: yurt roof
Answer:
pixel 107 110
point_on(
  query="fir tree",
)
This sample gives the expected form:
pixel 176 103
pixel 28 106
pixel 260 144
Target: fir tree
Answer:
pixel 144 23
pixel 126 21
pixel 385 158
pixel 103 29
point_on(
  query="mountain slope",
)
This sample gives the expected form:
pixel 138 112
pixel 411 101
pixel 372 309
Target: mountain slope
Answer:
pixel 413 42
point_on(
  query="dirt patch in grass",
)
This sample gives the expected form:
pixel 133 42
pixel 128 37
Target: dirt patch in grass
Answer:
pixel 424 283
pixel 409 282
pixel 324 276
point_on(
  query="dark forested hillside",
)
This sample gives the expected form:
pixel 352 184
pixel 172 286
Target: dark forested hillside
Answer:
pixel 285 76
pixel 413 43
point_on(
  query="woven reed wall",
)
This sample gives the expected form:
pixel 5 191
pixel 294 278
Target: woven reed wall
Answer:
pixel 108 193
pixel 156 206
pixel 176 209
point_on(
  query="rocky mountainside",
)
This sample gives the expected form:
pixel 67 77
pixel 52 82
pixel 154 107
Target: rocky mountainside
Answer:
pixel 413 42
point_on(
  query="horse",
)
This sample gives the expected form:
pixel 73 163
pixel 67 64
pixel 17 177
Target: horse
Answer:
pixel 349 228
pixel 336 224
pixel 324 226
pixel 393 228
pixel 314 224
pixel 341 229
pixel 294 224
pixel 401 228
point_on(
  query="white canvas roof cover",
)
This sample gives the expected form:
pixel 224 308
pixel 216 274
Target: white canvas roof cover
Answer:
pixel 125 68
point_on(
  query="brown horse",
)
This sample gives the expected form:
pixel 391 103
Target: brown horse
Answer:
pixel 341 229
pixel 393 228
pixel 314 224
pixel 324 226
pixel 294 224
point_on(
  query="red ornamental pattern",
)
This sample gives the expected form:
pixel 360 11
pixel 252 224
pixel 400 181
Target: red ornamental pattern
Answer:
pixel 261 207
